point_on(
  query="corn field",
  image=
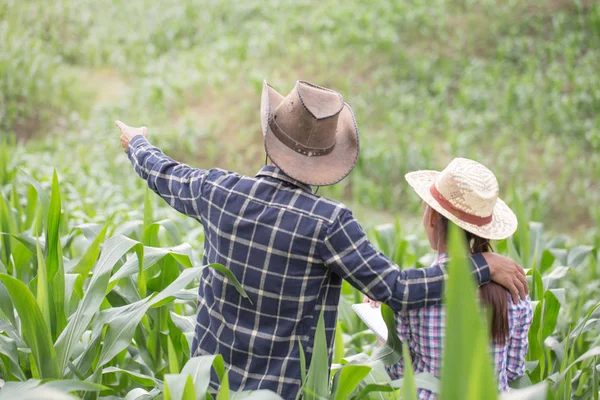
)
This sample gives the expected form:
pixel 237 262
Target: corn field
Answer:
pixel 98 278
pixel 105 310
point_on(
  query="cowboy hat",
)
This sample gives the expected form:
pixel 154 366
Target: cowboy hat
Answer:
pixel 310 134
pixel 466 192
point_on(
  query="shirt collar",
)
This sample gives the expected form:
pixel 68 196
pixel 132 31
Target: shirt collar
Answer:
pixel 276 173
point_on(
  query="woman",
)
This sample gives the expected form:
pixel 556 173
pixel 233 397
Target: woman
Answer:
pixel 466 194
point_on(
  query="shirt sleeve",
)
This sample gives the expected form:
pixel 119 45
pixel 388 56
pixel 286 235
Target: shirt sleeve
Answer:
pixel 178 184
pixel 518 344
pixel 349 254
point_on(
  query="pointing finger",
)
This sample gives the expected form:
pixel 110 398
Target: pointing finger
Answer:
pixel 121 125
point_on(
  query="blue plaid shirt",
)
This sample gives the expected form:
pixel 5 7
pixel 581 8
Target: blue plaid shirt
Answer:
pixel 290 249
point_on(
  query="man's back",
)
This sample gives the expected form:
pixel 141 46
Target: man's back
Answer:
pixel 267 231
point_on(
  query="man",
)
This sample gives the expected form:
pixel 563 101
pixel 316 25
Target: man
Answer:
pixel 289 248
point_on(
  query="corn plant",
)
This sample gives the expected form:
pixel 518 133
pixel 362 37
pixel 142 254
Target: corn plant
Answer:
pixel 113 317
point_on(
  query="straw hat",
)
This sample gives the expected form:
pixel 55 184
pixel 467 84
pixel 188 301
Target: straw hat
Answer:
pixel 466 193
pixel 310 134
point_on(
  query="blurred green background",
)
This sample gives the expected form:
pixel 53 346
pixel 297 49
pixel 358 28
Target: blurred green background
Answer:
pixel 512 84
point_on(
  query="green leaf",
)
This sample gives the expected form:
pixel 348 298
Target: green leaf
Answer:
pixel 302 364
pixel 4 239
pixel 137 377
pixel 185 278
pixel 120 331
pixel 223 393
pixel 52 230
pixel 521 382
pixel 199 368
pixel 148 210
pixel 537 291
pixel 338 347
pixel 422 381
pixel 69 385
pixel 466 339
pixel 179 387
pixel 482 382
pixel 8 347
pixel 90 354
pixel 550 316
pixel 113 250
pixel 535 392
pixel 317 381
pixel 32 389
pixel 152 255
pixel 138 394
pixel 54 266
pixel 547 260
pixel 172 356
pixel 409 390
pixel 43 286
pixel 36 333
pixel 232 278
pixel 591 353
pixel 185 324
pixel 391 352
pixel 536 351
pixel 349 378
pixel 578 254
pixel 6 306
pixel 89 258
pixel 41 193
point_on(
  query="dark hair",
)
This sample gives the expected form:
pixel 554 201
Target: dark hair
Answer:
pixel 493 296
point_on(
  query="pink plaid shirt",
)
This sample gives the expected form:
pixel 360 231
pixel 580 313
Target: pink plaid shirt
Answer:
pixel 423 331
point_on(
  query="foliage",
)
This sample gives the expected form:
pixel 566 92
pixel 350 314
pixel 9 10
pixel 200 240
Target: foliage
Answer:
pixel 98 279
pixel 512 84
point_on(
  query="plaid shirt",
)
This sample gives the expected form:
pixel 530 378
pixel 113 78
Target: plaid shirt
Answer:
pixel 423 331
pixel 290 249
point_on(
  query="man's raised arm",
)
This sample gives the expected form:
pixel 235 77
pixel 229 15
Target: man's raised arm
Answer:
pixel 348 252
pixel 178 184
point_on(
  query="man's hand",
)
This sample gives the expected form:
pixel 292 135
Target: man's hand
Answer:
pixel 127 133
pixel 373 303
pixel 506 272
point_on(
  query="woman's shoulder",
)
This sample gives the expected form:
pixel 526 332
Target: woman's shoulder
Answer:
pixel 520 305
pixel 521 311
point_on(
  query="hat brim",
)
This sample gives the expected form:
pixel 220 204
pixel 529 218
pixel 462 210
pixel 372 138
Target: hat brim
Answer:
pixel 317 171
pixel 504 221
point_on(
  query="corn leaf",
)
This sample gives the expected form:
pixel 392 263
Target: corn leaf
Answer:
pixel 43 287
pixel 465 333
pixel 36 332
pixel 317 380
pixel 349 377
pixel 199 368
pixel 113 250
pixel 409 390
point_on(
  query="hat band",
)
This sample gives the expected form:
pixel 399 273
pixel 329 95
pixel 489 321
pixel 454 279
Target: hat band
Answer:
pixel 295 145
pixel 460 214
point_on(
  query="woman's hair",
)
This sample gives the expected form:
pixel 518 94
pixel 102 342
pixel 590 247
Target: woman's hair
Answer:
pixel 493 295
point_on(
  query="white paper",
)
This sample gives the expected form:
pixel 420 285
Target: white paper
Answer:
pixel 372 318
